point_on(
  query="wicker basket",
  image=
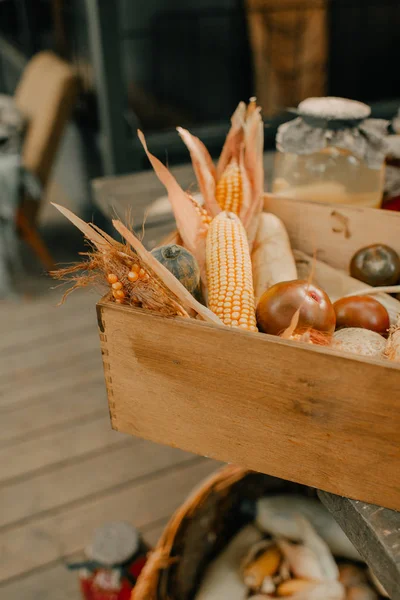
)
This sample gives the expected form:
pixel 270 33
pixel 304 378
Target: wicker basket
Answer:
pixel 201 527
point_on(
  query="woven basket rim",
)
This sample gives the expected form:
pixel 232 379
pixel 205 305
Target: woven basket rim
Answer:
pixel 160 558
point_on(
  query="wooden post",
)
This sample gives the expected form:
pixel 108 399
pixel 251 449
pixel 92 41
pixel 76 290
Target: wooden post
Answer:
pixel 288 39
pixel 116 147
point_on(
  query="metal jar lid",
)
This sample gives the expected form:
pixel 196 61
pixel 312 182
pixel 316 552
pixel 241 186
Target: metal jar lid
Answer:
pixel 113 544
pixel 333 111
pixel 339 122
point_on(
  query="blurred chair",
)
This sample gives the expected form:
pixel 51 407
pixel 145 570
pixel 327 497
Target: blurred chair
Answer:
pixel 46 95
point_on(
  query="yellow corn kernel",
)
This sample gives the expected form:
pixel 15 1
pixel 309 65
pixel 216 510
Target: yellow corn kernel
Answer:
pixel 205 217
pixel 229 192
pixel 264 566
pixel 228 264
pixel 133 276
pixel 292 586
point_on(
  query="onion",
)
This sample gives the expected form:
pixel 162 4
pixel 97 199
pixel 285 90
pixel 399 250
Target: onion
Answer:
pixel 359 341
pixel 278 305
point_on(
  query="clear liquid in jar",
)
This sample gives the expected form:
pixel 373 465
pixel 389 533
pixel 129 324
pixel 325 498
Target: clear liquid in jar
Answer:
pixel 332 175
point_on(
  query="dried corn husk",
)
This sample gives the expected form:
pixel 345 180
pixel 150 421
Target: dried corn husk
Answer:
pixel 113 257
pixel 303 563
pixel 161 291
pixel 338 284
pixel 233 140
pixel 361 592
pixel 244 144
pixel 204 168
pixel 276 516
pixel 189 222
pixel 316 544
pixel 162 272
pixel 326 590
pixel 223 578
pixel 350 575
pixel 254 167
pixel 272 256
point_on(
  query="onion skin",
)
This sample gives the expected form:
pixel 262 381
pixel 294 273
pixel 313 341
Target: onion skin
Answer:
pixel 363 342
pixel 277 306
pixel 376 265
pixel 363 312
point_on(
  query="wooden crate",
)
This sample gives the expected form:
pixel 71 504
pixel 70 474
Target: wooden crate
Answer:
pixel 305 414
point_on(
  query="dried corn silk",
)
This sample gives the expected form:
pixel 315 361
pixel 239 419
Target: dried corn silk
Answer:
pixel 148 291
pixel 117 264
pixel 392 350
pixel 229 275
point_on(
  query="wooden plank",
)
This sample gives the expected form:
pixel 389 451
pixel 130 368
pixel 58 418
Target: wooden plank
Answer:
pixel 42 330
pixel 56 582
pixel 61 533
pixel 301 413
pixel 54 448
pixel 52 583
pixel 21 313
pixel 375 532
pixel 46 357
pixel 83 478
pixel 79 369
pixel 335 231
pixel 54 410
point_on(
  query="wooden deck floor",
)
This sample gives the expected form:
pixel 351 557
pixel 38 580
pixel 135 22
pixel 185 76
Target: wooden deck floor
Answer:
pixel 63 470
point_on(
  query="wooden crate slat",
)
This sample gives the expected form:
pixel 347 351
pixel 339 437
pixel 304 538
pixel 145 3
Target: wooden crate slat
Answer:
pixel 83 478
pixel 60 533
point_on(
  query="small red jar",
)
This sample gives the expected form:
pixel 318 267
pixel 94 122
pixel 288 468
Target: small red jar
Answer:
pixel 115 559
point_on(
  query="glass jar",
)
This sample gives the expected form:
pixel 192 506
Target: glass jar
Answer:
pixel 115 560
pixel 331 153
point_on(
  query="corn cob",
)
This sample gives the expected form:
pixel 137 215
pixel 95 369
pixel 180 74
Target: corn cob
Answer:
pixel 229 192
pixel 202 212
pixel 229 276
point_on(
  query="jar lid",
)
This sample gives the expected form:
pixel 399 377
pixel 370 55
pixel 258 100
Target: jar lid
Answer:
pixel 113 544
pixel 335 122
pixel 332 108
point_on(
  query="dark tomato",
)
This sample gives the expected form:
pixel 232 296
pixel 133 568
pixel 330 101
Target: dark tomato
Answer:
pixel 361 311
pixel 277 306
pixel 376 265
